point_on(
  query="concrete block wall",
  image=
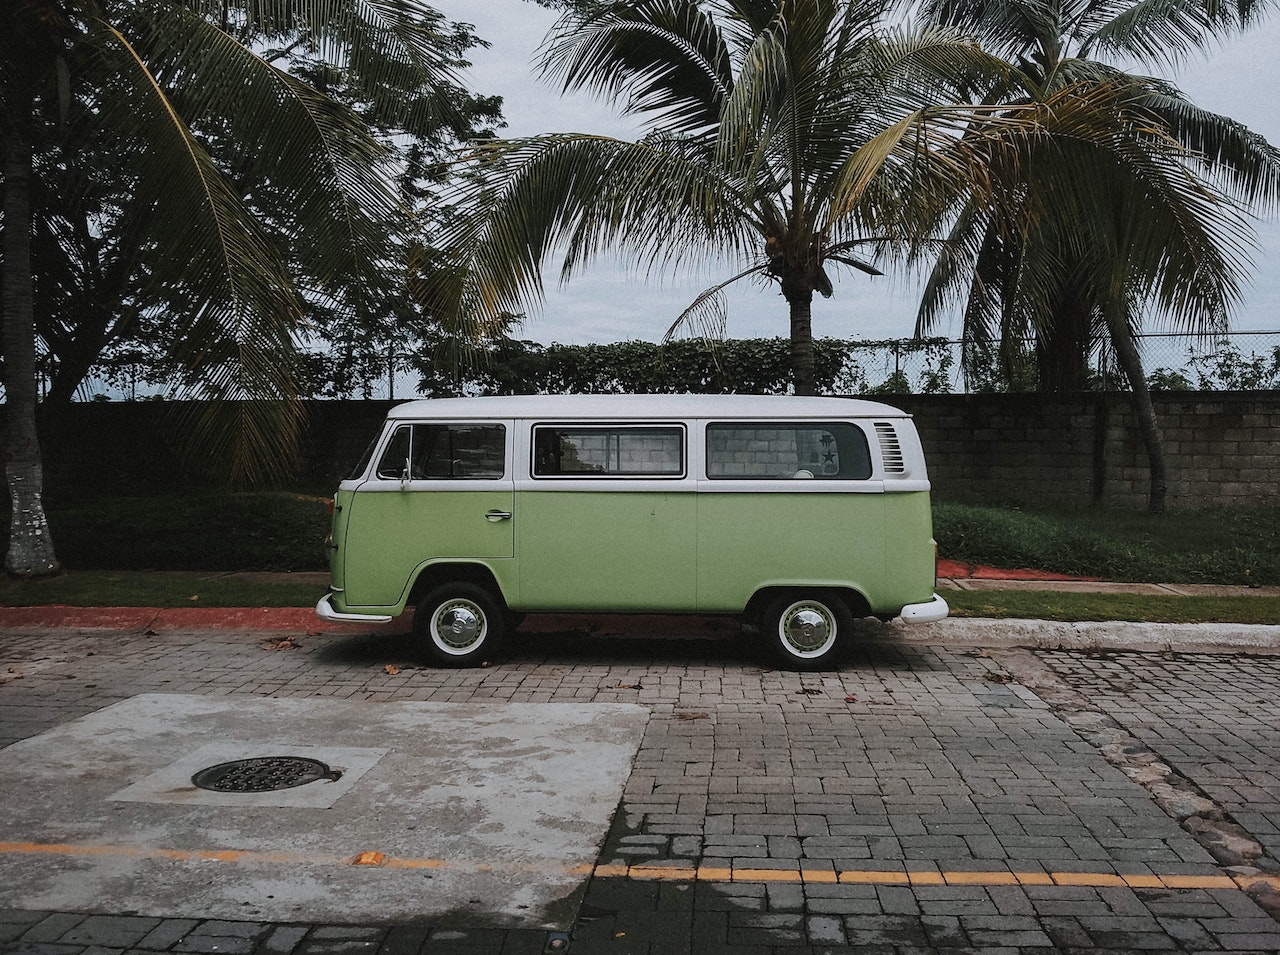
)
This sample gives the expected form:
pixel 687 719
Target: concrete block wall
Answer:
pixel 1026 449
pixel 1082 450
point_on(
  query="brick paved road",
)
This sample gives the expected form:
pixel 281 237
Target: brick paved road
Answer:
pixel 919 800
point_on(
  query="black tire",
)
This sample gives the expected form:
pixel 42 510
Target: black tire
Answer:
pixel 460 625
pixel 806 630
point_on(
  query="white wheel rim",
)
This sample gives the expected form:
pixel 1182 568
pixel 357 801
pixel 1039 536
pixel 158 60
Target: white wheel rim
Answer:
pixel 807 629
pixel 458 627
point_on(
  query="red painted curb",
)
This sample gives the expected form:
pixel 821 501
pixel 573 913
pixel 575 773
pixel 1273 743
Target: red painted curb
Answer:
pixel 955 568
pixel 156 619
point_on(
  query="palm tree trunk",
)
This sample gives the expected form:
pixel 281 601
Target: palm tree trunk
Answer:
pixel 1148 426
pixel 1062 349
pixel 30 551
pixel 801 305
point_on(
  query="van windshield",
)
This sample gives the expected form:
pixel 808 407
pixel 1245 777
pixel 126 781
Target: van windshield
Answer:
pixel 357 472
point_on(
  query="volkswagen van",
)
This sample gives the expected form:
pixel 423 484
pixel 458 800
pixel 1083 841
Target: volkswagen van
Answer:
pixel 797 514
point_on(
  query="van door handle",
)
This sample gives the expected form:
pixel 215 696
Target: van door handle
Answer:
pixel 495 516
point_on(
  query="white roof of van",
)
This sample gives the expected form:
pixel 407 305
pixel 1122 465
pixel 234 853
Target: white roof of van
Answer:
pixel 644 406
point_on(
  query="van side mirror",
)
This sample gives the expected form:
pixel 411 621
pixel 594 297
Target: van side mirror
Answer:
pixel 405 475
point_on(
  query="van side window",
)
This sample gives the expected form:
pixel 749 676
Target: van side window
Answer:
pixel 772 450
pixel 474 452
pixel 581 451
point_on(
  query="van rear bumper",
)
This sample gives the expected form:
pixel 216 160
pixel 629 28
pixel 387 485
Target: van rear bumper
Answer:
pixel 325 611
pixel 935 609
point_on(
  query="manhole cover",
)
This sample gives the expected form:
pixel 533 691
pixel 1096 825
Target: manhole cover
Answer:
pixel 262 774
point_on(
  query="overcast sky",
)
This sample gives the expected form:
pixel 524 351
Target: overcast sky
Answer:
pixel 611 301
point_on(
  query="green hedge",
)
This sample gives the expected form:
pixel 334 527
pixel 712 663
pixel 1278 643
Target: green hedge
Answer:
pixel 751 366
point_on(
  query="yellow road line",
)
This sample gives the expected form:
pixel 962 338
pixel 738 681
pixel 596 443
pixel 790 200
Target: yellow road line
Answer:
pixel 182 855
pixel 675 872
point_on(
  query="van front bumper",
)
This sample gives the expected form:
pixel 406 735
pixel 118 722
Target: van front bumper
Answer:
pixel 935 609
pixel 325 611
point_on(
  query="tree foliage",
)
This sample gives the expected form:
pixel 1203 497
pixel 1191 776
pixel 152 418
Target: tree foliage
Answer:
pixel 95 276
pixel 1130 204
pixel 793 140
pixel 170 162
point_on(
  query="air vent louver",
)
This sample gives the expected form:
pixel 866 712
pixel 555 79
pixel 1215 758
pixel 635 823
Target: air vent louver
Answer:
pixel 890 449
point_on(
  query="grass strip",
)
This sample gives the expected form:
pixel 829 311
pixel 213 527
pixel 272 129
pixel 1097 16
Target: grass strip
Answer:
pixel 1216 545
pixel 1137 608
pixel 101 588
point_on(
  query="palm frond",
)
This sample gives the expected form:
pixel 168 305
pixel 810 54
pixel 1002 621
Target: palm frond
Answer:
pixel 1244 162
pixel 1005 28
pixel 748 129
pixel 584 194
pixel 665 61
pixel 237 344
pixel 298 156
pixel 707 313
pixel 386 47
pixel 1114 201
pixel 1166 31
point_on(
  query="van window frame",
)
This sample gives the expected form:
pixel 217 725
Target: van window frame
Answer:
pixel 504 459
pixel 679 428
pixel 784 424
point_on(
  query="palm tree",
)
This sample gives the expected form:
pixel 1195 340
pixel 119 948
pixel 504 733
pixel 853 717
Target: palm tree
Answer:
pixel 789 135
pixel 232 168
pixel 1091 238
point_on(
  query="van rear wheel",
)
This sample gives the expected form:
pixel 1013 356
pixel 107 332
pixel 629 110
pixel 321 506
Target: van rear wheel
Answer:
pixel 807 631
pixel 460 624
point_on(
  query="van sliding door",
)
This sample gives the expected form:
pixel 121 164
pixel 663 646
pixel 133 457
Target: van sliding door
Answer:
pixel 606 518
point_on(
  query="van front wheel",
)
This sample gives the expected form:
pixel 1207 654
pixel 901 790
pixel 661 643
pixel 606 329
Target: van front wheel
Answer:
pixel 806 631
pixel 461 624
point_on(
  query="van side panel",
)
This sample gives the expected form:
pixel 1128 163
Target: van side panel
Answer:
pixel 747 541
pixel 606 549
pixel 342 502
pixel 911 558
pixel 391 533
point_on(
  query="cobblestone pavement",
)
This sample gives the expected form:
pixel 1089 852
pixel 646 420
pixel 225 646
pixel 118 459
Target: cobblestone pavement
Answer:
pixel 919 800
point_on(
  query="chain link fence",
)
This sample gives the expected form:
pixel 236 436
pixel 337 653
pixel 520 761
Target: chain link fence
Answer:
pixel 1236 361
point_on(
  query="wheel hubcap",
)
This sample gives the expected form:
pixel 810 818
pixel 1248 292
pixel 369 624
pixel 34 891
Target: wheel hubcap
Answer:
pixel 459 625
pixel 807 629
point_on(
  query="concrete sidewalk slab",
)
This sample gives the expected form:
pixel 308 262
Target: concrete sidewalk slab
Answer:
pixel 1082 635
pixel 496 810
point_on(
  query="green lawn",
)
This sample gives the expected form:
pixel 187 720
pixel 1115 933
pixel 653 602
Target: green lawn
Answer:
pixel 126 588
pixel 1053 605
pixel 1216 546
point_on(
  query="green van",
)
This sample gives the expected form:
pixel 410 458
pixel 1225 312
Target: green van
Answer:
pixel 797 514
